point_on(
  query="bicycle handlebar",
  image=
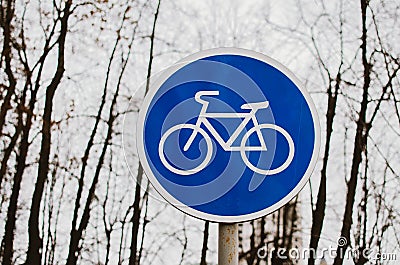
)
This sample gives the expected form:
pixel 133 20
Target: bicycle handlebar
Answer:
pixel 205 93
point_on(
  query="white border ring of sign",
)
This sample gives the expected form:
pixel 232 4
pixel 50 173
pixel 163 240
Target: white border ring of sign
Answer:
pixel 221 51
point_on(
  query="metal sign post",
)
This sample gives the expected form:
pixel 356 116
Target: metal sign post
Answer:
pixel 228 242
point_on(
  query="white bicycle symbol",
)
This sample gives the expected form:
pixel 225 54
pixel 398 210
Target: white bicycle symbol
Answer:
pixel 227 146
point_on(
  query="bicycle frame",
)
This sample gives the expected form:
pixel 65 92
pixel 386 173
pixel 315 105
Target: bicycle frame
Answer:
pixel 227 146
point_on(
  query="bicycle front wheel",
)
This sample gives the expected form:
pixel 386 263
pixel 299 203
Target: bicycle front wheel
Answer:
pixel 193 129
pixel 270 171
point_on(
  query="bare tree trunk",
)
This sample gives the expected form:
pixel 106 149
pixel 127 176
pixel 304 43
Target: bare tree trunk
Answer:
pixel 8 151
pixel 35 242
pixel 133 257
pixel 76 233
pixel 318 213
pixel 185 242
pixel 136 218
pixel 108 228
pixel 90 142
pixel 20 128
pixel 6 53
pixel 263 236
pixel 8 239
pixel 6 105
pixel 87 151
pixel 50 238
pixel 360 142
pixel 285 223
pixel 203 260
pixel 294 219
pixel 252 253
pixel 362 217
pixel 145 221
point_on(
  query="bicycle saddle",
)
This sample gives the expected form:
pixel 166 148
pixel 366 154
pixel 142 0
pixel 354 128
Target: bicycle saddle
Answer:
pixel 255 105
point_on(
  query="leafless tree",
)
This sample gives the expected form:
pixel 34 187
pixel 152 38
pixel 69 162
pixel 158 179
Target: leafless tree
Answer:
pixel 35 241
pixel 133 258
pixel 203 259
pixel 68 70
pixel 364 126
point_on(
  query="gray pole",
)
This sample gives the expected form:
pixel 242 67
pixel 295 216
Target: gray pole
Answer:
pixel 228 242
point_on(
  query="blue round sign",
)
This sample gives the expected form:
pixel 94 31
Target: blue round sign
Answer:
pixel 228 135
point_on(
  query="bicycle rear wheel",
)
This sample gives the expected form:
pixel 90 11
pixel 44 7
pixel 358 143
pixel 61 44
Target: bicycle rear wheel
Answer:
pixel 270 171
